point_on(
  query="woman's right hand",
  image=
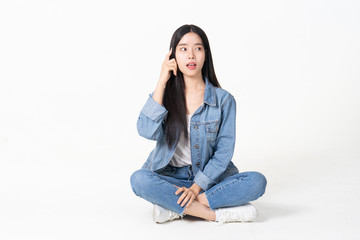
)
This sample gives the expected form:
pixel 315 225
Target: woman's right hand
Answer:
pixel 168 66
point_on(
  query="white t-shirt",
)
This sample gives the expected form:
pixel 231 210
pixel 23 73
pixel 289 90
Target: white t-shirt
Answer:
pixel 182 155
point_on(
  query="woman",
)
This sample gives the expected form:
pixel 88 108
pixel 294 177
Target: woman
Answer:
pixel 193 121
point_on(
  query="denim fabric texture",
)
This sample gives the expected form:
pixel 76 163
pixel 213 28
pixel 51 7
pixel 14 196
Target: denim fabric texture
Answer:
pixel 212 136
pixel 160 187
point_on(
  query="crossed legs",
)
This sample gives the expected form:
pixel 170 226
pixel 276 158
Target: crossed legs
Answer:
pixel 236 190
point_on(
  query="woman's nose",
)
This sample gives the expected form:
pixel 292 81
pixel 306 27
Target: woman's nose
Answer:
pixel 191 55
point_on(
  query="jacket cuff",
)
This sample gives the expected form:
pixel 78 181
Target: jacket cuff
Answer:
pixel 153 109
pixel 203 181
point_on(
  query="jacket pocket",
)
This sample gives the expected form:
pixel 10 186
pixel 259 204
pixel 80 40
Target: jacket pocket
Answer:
pixel 212 131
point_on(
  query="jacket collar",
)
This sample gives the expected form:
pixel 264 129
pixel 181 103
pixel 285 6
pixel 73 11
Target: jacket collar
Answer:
pixel 209 96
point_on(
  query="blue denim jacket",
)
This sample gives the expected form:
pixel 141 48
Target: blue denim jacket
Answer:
pixel 212 136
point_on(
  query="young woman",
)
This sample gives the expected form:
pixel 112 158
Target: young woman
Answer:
pixel 193 121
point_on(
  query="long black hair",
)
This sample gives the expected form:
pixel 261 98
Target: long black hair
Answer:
pixel 174 95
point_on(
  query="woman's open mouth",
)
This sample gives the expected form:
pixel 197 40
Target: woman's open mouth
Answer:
pixel 191 65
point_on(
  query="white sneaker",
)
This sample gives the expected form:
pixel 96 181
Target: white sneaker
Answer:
pixel 243 213
pixel 161 215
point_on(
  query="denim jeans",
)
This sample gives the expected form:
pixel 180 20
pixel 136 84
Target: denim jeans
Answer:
pixel 158 187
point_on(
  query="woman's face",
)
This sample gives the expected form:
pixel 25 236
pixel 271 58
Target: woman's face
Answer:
pixel 190 55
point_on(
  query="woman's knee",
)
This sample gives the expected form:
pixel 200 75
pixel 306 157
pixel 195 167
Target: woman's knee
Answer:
pixel 259 182
pixel 139 179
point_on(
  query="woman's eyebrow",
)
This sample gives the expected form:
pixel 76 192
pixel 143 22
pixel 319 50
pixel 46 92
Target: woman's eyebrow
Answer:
pixel 185 44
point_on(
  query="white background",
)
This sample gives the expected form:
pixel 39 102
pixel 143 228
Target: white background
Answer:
pixel 75 74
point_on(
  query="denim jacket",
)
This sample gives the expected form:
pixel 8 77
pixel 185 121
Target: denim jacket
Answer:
pixel 212 136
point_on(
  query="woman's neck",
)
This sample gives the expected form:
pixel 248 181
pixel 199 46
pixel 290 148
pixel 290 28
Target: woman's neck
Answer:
pixel 194 83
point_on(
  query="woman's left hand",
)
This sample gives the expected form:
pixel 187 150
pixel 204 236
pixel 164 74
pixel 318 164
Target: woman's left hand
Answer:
pixel 189 194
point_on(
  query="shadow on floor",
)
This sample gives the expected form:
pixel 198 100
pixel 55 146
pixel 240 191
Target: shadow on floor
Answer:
pixel 268 211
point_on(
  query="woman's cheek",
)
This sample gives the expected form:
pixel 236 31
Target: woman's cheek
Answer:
pixel 181 68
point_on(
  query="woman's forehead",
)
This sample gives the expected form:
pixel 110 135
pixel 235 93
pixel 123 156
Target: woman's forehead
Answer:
pixel 190 38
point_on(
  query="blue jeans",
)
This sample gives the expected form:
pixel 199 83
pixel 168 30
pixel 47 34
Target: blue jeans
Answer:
pixel 158 187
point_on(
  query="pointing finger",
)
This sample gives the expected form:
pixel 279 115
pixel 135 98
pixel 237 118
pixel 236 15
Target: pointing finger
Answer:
pixel 179 191
pixel 175 69
pixel 168 54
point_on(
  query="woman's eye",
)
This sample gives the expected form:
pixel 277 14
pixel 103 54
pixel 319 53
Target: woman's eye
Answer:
pixel 182 49
pixel 199 48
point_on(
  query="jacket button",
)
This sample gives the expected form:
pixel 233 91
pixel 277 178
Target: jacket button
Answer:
pixel 198 164
pixel 196 127
pixel 196 146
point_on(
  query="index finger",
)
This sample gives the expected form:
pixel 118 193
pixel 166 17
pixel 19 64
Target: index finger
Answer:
pixel 179 190
pixel 169 54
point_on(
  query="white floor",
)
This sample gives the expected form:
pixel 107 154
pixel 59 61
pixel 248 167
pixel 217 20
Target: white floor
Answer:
pixel 84 193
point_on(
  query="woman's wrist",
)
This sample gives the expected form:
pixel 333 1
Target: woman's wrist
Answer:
pixel 162 81
pixel 159 91
pixel 196 188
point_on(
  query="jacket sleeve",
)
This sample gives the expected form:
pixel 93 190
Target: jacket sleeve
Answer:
pixel 224 147
pixel 151 119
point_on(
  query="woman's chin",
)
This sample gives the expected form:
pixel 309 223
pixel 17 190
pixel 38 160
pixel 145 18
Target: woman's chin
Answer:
pixel 191 74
